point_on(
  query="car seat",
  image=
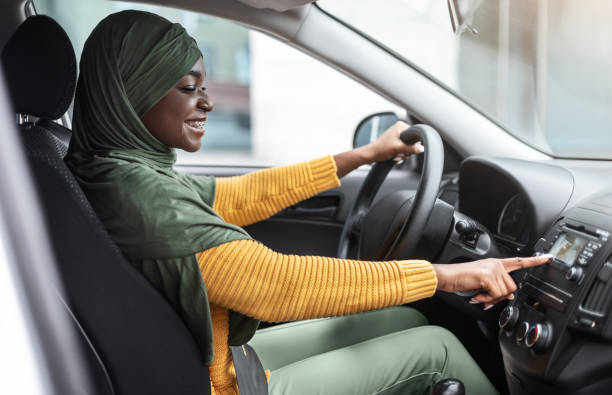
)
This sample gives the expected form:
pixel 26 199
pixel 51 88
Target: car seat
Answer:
pixel 134 341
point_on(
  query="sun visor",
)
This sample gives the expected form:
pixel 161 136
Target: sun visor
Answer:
pixel 278 5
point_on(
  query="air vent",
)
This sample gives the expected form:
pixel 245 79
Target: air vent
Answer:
pixel 598 298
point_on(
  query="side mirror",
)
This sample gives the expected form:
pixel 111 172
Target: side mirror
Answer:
pixel 373 126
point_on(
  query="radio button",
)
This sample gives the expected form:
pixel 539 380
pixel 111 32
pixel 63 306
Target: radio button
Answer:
pixel 539 244
pixel 593 245
pixel 583 260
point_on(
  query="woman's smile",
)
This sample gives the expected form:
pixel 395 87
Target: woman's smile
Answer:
pixel 196 125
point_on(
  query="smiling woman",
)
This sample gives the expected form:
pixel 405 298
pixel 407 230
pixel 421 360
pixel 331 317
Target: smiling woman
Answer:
pixel 177 120
pixel 183 232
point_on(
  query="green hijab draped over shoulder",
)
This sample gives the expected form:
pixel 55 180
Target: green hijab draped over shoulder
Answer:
pixel 159 218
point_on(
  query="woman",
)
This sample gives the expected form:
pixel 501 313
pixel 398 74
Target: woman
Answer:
pixel 140 95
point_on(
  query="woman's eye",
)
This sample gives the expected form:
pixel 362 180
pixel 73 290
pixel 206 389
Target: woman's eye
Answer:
pixel 192 88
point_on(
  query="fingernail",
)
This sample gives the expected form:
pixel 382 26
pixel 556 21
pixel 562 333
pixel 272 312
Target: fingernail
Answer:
pixel 511 296
pixel 546 256
pixel 419 148
pixel 474 301
pixel 487 306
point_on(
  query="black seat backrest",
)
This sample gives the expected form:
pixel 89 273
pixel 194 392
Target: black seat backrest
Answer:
pixel 134 340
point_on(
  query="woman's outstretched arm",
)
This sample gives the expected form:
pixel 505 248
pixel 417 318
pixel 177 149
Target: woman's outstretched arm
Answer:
pixel 248 277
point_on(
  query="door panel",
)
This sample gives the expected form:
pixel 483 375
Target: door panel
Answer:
pixel 297 236
pixel 313 226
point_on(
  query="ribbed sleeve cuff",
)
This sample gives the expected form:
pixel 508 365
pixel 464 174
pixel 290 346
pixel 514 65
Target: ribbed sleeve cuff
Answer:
pixel 420 280
pixel 324 173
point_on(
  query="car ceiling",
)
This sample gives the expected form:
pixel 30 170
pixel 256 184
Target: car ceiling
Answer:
pixel 277 5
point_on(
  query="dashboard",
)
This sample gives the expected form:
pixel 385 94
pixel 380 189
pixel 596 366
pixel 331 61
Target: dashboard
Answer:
pixel 556 335
pixel 515 200
pixel 514 223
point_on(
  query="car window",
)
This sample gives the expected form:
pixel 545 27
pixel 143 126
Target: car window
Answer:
pixel 273 104
pixel 540 69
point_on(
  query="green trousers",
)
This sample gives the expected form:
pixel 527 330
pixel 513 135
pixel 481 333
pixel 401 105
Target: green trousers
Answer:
pixel 390 351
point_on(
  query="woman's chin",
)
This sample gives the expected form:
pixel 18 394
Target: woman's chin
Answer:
pixel 192 143
pixel 193 148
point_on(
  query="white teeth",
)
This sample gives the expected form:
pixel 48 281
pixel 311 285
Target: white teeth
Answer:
pixel 196 124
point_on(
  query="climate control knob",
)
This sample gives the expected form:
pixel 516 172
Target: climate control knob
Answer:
pixel 538 337
pixel 575 273
pixel 508 318
pixel 521 331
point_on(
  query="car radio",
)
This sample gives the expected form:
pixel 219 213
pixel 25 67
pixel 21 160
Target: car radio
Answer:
pixel 572 292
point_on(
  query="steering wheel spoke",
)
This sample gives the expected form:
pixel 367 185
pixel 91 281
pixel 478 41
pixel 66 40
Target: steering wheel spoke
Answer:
pixel 358 223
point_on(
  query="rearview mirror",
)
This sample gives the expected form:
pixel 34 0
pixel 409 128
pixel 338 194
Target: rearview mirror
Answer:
pixel 373 126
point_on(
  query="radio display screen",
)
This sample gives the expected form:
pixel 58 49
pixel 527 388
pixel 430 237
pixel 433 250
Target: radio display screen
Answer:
pixel 567 248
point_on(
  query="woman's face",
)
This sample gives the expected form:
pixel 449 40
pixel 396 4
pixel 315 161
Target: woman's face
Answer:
pixel 177 120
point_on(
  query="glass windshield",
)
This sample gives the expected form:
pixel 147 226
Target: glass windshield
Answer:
pixel 540 69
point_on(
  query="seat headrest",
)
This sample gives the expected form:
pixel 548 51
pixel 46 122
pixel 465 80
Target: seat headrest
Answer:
pixel 40 68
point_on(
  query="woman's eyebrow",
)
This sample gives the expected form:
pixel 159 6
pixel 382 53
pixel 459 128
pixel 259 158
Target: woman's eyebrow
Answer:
pixel 195 73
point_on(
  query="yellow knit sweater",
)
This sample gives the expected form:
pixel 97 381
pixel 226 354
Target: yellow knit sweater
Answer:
pixel 248 277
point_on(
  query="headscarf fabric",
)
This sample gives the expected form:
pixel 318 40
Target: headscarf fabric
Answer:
pixel 158 217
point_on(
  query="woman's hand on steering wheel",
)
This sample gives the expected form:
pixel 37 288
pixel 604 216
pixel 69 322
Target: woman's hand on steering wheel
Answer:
pixel 388 145
pixel 490 276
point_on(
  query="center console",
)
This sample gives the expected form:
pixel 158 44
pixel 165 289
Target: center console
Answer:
pixel 556 336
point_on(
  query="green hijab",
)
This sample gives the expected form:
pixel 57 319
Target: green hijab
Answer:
pixel 159 218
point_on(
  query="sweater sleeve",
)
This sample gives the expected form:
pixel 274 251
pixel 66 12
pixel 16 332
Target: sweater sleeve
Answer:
pixel 243 200
pixel 249 278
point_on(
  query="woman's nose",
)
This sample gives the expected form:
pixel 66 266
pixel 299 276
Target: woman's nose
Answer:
pixel 205 104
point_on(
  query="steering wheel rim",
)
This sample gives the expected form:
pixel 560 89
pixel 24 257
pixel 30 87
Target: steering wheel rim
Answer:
pixel 406 241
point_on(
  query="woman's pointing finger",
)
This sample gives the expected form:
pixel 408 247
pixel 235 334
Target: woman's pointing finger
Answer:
pixel 517 263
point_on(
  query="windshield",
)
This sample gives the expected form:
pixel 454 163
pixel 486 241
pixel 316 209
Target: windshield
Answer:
pixel 540 69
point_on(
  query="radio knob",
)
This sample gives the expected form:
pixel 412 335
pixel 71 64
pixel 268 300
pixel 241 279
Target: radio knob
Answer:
pixel 538 338
pixel 522 330
pixel 508 318
pixel 575 273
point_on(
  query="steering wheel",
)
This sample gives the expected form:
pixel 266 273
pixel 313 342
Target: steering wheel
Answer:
pixel 402 231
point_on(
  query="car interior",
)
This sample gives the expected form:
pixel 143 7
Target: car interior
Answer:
pixel 477 192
